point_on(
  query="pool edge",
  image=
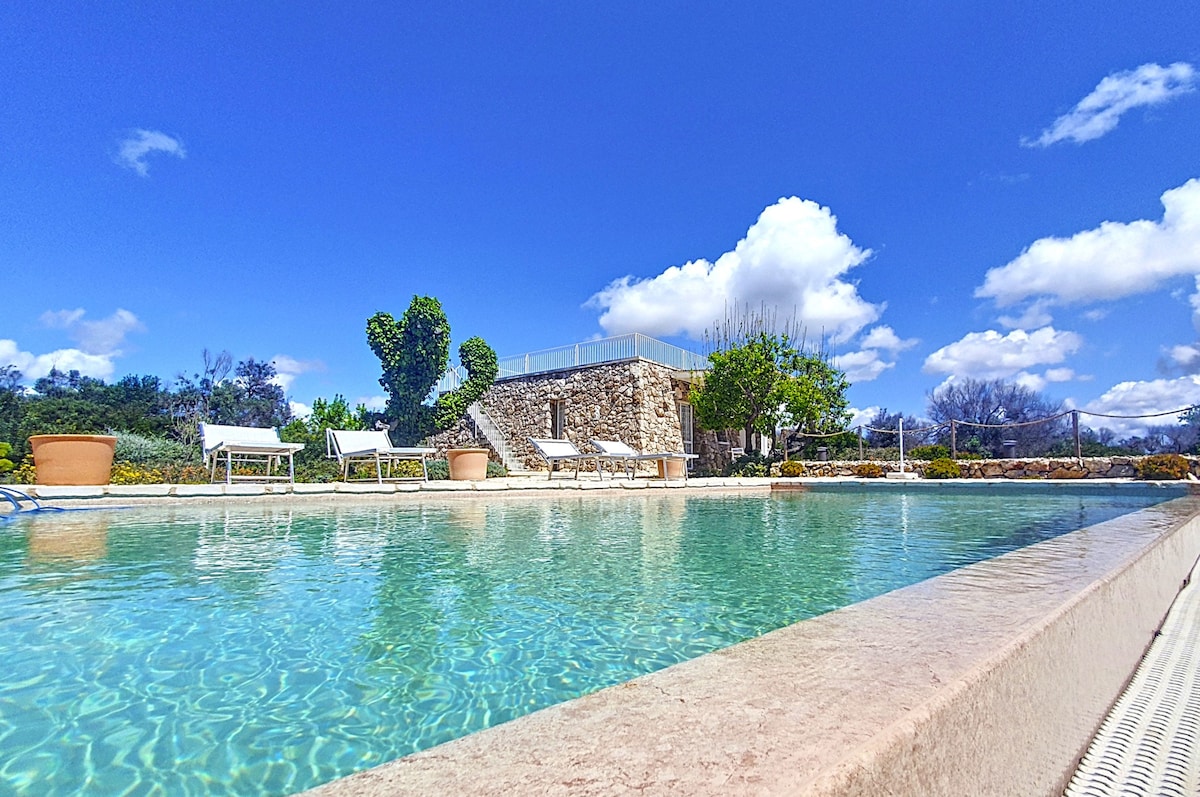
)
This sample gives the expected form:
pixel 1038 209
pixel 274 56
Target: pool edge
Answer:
pixel 663 733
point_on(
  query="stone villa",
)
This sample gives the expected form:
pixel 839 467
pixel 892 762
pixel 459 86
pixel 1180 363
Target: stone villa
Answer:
pixel 630 388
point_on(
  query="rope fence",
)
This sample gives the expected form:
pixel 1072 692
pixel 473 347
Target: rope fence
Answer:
pixel 953 424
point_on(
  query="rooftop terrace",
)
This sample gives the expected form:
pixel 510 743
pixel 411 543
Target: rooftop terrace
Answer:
pixel 593 352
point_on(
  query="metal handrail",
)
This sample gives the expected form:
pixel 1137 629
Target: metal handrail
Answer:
pixel 593 352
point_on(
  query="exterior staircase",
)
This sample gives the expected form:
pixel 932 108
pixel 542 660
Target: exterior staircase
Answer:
pixel 486 428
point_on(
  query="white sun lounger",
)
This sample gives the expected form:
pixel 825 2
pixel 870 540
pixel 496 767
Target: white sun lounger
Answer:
pixel 614 452
pixel 351 446
pixel 246 445
pixel 559 451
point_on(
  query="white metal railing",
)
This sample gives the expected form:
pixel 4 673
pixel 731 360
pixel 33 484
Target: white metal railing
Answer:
pixel 593 352
pixel 495 436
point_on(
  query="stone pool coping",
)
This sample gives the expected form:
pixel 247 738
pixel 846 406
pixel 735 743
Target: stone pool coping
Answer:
pixel 987 680
pixel 105 493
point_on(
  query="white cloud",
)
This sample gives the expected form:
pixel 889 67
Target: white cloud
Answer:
pixel 1114 260
pixel 99 342
pixel 884 337
pixel 373 403
pixel 103 337
pixel 1186 357
pixel 288 368
pixel 1099 112
pixel 299 409
pixel 1035 315
pixel 793 259
pixel 862 366
pixel 1143 398
pixel 861 417
pixel 61 319
pixel 990 355
pixel 1195 302
pixel 140 143
pixel 35 366
pixel 1059 374
pixel 868 363
pixel 1031 381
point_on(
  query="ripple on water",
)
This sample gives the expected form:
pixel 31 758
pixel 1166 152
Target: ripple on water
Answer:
pixel 260 650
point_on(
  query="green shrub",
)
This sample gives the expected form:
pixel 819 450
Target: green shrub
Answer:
pixel 495 470
pixel 791 468
pixel 750 465
pixel 1163 466
pixel 25 473
pixel 929 452
pixel 6 464
pixel 134 473
pixel 942 468
pixel 153 452
pixel 753 464
pixel 868 470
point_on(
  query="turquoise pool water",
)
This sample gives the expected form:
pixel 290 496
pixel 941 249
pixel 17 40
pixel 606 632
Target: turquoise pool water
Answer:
pixel 256 649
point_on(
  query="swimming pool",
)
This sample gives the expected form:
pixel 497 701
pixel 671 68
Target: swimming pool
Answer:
pixel 261 648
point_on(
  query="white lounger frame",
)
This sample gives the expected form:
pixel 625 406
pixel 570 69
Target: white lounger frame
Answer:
pixel 238 445
pixel 352 446
pixel 554 451
pixel 615 452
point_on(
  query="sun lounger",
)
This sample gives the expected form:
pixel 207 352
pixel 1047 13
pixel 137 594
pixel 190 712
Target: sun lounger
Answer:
pixel 352 446
pixel 616 452
pixel 246 445
pixel 559 451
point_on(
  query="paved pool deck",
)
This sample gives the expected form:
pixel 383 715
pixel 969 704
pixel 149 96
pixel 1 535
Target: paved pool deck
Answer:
pixel 989 680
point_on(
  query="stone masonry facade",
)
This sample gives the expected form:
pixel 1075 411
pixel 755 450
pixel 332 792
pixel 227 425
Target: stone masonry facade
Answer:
pixel 634 401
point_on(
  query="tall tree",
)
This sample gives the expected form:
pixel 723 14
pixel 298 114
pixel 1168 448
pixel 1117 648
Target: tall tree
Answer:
pixel 415 352
pixel 251 398
pixel 883 429
pixel 763 381
pixel 998 411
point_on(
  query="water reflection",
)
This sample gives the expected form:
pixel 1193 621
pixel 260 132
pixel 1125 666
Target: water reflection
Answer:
pixel 341 635
pixel 78 537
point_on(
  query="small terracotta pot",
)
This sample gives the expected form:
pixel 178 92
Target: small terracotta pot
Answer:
pixel 70 459
pixel 467 464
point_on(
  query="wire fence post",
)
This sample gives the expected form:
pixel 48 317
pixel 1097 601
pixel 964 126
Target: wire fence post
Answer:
pixel 953 441
pixel 860 448
pixel 1075 427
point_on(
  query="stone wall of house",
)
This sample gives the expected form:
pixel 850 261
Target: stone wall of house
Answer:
pixel 1087 468
pixel 633 401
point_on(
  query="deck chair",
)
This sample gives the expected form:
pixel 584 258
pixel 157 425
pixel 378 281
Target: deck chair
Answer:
pixel 244 445
pixel 349 447
pixel 559 451
pixel 615 452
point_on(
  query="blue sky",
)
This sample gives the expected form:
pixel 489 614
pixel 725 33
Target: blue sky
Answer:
pixel 945 190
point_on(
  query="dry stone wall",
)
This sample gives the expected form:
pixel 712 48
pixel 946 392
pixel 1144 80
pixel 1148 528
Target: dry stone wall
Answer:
pixel 1087 468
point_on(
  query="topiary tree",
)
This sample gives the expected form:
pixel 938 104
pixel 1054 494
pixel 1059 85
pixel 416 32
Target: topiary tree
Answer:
pixel 415 352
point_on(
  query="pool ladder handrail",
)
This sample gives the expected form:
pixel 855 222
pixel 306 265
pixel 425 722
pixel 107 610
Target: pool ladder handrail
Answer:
pixel 15 497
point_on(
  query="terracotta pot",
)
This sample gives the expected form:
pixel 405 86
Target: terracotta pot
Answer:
pixel 674 468
pixel 467 464
pixel 63 459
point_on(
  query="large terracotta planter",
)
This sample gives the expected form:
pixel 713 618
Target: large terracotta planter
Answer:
pixel 467 464
pixel 671 468
pixel 73 458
